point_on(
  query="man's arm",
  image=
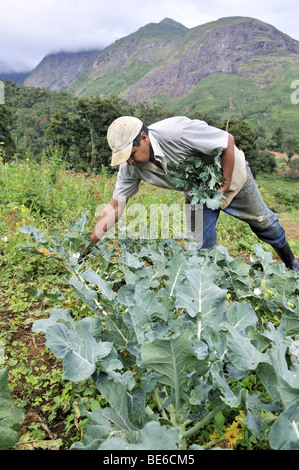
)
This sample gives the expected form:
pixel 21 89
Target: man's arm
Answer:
pixel 108 218
pixel 228 161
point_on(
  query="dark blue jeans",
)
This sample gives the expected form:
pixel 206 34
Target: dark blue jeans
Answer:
pixel 248 206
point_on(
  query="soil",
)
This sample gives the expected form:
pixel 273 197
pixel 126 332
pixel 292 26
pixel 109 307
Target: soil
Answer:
pixel 34 344
pixel 292 230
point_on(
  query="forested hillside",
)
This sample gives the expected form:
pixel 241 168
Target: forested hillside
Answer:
pixel 37 121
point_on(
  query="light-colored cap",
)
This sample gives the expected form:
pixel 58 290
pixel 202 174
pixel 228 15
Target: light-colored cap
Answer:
pixel 120 136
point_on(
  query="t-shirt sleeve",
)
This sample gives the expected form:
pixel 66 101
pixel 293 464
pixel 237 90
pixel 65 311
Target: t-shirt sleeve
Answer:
pixel 127 183
pixel 198 135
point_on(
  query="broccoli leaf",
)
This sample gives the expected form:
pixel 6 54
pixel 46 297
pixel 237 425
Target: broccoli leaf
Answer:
pixel 199 179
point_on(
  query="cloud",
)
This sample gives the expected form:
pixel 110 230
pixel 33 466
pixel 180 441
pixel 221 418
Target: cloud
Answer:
pixel 31 29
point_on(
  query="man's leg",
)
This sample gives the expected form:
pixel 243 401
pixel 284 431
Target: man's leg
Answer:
pixel 201 224
pixel 286 255
pixel 249 206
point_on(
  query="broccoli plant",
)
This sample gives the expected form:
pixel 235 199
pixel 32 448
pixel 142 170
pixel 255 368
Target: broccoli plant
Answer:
pixel 170 339
pixel 200 179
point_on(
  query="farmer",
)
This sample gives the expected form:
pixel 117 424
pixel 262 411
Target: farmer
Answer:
pixel 142 154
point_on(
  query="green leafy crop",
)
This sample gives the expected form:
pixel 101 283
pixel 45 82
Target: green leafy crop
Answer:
pixel 199 179
pixel 171 338
pixel 11 416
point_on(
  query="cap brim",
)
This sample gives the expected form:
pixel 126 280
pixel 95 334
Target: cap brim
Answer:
pixel 122 155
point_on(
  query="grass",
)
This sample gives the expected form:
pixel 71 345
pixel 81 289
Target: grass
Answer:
pixel 284 199
pixel 284 190
pixel 47 196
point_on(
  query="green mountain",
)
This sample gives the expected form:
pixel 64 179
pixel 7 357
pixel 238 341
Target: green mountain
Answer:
pixel 57 71
pixel 17 77
pixel 200 70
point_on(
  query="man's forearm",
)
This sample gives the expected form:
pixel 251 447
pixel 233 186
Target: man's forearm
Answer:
pixel 228 162
pixel 108 218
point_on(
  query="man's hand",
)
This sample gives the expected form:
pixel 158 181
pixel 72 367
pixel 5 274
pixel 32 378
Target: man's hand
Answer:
pixel 84 253
pixel 224 188
pixel 108 218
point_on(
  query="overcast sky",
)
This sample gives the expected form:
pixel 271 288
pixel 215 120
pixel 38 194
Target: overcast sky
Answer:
pixel 31 29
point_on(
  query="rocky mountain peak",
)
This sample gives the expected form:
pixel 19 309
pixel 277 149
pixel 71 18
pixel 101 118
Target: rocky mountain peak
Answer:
pixel 172 25
pixel 184 68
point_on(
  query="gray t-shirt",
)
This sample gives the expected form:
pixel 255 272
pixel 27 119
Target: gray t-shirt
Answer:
pixel 175 139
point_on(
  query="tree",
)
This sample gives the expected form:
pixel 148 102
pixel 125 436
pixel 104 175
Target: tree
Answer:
pixel 31 108
pixel 266 162
pixel 289 146
pixel 5 135
pixel 150 114
pixel 277 138
pixel 245 139
pixel 97 114
pixel 67 129
pixel 82 132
